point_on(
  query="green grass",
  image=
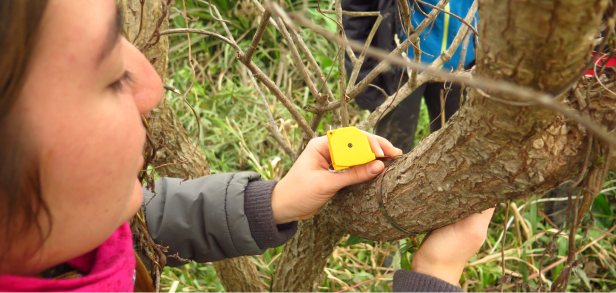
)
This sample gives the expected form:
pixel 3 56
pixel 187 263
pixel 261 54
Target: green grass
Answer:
pixel 232 135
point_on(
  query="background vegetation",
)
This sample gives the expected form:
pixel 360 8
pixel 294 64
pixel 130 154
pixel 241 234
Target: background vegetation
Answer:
pixel 232 136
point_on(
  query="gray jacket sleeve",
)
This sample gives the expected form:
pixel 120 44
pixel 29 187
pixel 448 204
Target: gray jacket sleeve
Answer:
pixel 408 281
pixel 214 217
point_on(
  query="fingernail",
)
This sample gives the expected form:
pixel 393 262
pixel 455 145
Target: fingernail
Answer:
pixel 380 151
pixel 375 167
pixel 399 150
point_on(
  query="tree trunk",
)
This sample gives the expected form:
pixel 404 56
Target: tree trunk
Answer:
pixel 489 151
pixel 176 153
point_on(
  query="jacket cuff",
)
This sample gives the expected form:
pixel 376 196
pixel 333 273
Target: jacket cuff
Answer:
pixel 408 281
pixel 258 209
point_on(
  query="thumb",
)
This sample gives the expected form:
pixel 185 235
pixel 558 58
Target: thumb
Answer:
pixel 359 174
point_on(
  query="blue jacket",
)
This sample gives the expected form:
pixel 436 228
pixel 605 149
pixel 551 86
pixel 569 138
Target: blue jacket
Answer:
pixel 443 32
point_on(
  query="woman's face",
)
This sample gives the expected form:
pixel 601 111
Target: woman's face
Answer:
pixel 84 121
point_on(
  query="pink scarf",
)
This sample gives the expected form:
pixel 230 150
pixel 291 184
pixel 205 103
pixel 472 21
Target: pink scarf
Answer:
pixel 110 267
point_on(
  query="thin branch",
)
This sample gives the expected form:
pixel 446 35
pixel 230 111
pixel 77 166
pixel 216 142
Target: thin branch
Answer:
pixel 390 103
pixel 360 61
pixel 203 32
pixel 465 43
pixel 257 38
pixel 281 97
pixel 297 58
pixel 446 56
pixel 300 43
pixel 504 87
pixel 464 21
pixel 271 126
pixel 405 13
pixel 419 8
pixel 219 19
pixel 348 49
pixel 260 7
pixel 344 114
pixel 354 13
pixel 380 89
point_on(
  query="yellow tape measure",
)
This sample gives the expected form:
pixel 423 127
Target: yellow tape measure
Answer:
pixel 349 147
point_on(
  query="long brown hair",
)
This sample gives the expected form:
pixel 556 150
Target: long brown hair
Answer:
pixel 21 203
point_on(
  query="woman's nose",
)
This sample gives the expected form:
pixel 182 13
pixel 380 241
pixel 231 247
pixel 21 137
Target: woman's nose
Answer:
pixel 147 87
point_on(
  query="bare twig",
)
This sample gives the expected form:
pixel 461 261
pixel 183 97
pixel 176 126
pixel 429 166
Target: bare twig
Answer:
pixel 599 79
pixel 446 56
pixel 360 61
pixel 354 13
pixel 257 38
pixel 465 43
pixel 260 7
pixel 271 126
pixel 281 97
pixel 464 21
pixel 300 43
pixel 364 282
pixel 380 89
pixel 296 58
pixel 219 19
pixel 344 114
pixel 391 102
pixel 202 32
pixel 405 13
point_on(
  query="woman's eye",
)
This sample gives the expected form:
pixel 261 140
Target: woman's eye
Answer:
pixel 120 84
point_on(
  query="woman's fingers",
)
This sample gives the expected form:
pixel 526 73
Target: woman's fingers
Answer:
pixel 381 146
pixel 357 174
pixel 320 145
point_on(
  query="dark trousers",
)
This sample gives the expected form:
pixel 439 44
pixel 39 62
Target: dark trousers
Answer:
pixel 400 124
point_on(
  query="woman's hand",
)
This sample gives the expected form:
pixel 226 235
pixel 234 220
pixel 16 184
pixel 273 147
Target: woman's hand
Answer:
pixel 446 251
pixel 309 184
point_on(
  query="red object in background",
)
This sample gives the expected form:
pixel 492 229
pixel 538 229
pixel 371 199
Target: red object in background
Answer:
pixel 600 61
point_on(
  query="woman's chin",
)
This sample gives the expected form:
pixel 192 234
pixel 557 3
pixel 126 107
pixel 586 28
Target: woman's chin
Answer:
pixel 134 204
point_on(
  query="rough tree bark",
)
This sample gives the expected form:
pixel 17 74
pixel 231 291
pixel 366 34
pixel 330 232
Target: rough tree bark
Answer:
pixel 142 19
pixel 489 152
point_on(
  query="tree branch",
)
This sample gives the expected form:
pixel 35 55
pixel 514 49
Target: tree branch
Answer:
pixel 300 43
pixel 219 19
pixel 446 56
pixel 257 38
pixel 464 21
pixel 354 13
pixel 360 61
pixel 281 97
pixel 260 7
pixel 271 126
pixel 297 58
pixel 202 32
pixel 344 114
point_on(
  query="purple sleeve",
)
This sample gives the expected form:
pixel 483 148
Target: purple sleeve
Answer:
pixel 258 209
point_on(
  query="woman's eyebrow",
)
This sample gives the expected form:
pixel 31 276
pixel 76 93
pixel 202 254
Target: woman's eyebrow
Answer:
pixel 113 36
